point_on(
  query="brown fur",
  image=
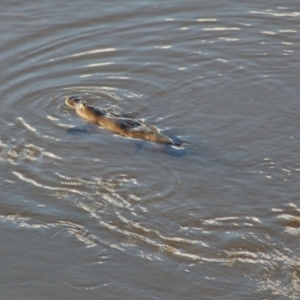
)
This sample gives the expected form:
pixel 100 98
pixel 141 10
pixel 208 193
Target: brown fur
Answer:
pixel 124 126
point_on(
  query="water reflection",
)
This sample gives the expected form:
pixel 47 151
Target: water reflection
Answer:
pixel 93 52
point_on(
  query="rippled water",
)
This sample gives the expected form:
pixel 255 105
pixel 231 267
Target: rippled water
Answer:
pixel 90 215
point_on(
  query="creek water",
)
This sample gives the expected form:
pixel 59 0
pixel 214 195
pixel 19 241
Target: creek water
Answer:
pixel 94 216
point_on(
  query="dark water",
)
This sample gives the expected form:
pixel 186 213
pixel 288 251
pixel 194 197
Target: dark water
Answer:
pixel 86 216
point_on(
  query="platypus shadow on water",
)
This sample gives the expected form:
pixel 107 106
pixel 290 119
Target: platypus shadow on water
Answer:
pixel 125 126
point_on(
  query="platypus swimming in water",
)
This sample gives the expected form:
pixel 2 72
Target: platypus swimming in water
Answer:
pixel 128 127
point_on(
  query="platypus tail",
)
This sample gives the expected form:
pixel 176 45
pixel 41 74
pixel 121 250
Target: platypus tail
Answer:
pixel 178 143
pixel 163 139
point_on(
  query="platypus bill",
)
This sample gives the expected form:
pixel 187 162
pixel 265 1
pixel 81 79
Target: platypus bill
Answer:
pixel 128 127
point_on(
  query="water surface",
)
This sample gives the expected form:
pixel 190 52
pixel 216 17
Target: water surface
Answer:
pixel 88 216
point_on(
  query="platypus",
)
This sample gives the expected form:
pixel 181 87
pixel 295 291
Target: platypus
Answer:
pixel 128 127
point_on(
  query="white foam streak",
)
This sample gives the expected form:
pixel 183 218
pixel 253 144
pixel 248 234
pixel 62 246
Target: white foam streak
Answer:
pixel 221 28
pixel 207 20
pixel 101 64
pixel 94 51
pixel 26 124
pixel 33 182
pixel 292 14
